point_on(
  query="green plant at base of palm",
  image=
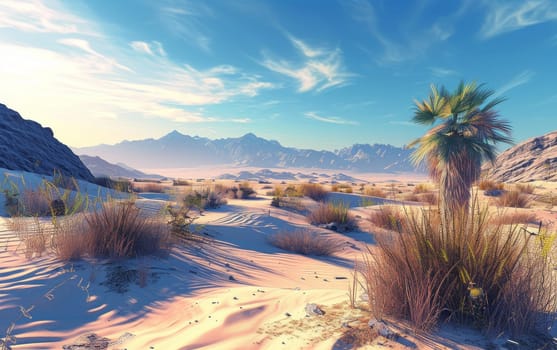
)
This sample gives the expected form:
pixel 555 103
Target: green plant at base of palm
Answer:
pixel 465 135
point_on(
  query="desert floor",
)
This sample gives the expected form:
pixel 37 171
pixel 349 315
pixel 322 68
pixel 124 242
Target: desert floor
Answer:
pixel 236 291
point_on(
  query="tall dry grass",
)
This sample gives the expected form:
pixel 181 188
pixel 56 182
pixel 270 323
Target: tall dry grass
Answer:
pixel 314 191
pixel 514 199
pixel 388 217
pixel 490 275
pixel 333 213
pixel 304 242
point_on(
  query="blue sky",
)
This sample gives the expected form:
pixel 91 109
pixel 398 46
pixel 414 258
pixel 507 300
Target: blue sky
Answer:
pixel 317 74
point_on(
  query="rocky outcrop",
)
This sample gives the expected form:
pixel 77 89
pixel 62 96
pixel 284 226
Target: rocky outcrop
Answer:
pixel 26 145
pixel 533 159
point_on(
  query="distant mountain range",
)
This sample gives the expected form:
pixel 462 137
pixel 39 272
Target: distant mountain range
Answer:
pixel 100 167
pixel 176 150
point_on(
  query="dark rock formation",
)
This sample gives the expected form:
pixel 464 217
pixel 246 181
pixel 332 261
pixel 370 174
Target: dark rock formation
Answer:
pixel 26 145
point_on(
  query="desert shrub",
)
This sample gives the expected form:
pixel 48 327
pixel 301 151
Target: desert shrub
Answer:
pixel 114 230
pixel 429 198
pixel 342 187
pixel 119 229
pixel 525 188
pixel 181 224
pixel 411 197
pixel 514 199
pixel 151 187
pixel 292 191
pixel 122 185
pixel 314 191
pixel 333 213
pixel 421 188
pixel 388 217
pixel 375 192
pixel 180 182
pixel 245 191
pixel 204 198
pixel 304 242
pixel 492 276
pixel 46 200
pixel 490 185
pixel 513 218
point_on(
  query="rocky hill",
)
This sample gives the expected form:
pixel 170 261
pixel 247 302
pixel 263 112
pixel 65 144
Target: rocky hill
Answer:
pixel 533 159
pixel 176 150
pixel 26 145
pixel 100 167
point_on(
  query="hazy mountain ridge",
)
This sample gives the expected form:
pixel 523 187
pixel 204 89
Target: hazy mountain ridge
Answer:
pixel 176 150
pixel 533 159
pixel 27 145
pixel 100 167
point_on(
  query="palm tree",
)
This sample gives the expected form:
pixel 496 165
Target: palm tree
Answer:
pixel 466 129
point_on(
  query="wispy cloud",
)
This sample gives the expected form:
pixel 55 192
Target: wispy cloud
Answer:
pixel 35 16
pixel 519 79
pixel 508 16
pixel 441 72
pixel 92 77
pixel 319 69
pixel 405 43
pixel 332 120
pixel 154 48
pixel 403 123
pixel 186 19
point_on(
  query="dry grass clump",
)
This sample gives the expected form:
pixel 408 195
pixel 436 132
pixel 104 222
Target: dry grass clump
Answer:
pixel 304 242
pixel 490 185
pixel 122 185
pixel 388 217
pixel 204 198
pixel 421 188
pixel 119 229
pixel 375 192
pixel 514 199
pixel 180 182
pixel 335 214
pixel 151 187
pixel 492 276
pixel 514 218
pixel 115 230
pixel 342 187
pixel 314 191
pixel 525 188
pixel 429 198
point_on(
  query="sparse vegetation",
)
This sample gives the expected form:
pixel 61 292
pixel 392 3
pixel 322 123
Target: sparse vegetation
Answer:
pixel 490 185
pixel 492 276
pixel 421 188
pixel 525 188
pixel 342 187
pixel 313 191
pixel 152 187
pixel 388 217
pixel 304 242
pixel 375 192
pixel 514 199
pixel 333 213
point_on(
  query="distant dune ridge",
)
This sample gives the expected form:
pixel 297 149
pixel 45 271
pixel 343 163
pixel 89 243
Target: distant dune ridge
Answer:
pixel 176 150
pixel 26 145
pixel 100 167
pixel 531 160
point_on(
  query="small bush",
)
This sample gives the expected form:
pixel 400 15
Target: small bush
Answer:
pixel 342 187
pixel 314 191
pixel 388 217
pixel 489 185
pixel 304 242
pixel 514 199
pixel 524 188
pixel 411 197
pixel 514 218
pixel 119 230
pixel 122 185
pixel 421 188
pixel 180 182
pixel 150 187
pixel 429 198
pixel 245 191
pixel 333 213
pixel 375 192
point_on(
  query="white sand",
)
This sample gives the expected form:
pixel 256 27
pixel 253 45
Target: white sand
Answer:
pixel 238 292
